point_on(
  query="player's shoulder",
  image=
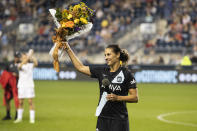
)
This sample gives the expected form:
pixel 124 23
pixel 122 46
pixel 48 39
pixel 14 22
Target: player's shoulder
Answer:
pixel 127 72
pixel 10 64
pixel 125 69
pixel 98 68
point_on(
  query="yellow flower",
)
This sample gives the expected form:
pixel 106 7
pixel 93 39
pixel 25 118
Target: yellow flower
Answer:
pixel 63 24
pixel 69 16
pixel 64 13
pixel 70 8
pixel 82 4
pixel 83 20
pixel 76 7
pixel 76 21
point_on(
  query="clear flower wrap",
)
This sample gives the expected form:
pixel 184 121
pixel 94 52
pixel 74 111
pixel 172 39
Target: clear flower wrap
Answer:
pixel 70 24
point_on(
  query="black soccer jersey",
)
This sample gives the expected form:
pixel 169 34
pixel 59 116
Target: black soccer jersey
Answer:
pixel 119 83
pixel 12 67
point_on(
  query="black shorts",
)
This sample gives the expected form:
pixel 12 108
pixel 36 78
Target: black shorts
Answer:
pixel 106 124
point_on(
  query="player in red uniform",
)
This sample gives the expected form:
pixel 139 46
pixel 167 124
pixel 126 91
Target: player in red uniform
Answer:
pixel 8 81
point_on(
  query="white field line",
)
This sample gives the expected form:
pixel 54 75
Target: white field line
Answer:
pixel 161 118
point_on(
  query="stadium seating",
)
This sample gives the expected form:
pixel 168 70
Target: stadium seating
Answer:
pixel 113 19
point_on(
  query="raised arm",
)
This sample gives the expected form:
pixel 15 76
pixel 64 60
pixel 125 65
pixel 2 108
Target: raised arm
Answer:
pixel 26 57
pixel 76 62
pixel 24 60
pixel 34 61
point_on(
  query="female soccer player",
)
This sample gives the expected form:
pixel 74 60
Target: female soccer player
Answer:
pixel 26 85
pixel 115 83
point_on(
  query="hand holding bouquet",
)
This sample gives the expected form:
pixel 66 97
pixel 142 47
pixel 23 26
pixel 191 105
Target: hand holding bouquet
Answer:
pixel 71 22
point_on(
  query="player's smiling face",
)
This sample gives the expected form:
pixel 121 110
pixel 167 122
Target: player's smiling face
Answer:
pixel 111 57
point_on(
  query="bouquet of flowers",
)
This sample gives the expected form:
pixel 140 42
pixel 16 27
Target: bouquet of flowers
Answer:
pixel 71 22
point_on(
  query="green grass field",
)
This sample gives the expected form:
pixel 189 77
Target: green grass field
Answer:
pixel 71 105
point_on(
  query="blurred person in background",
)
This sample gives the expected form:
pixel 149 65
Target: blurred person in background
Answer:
pixel 115 83
pixel 26 85
pixel 8 80
pixel 194 59
pixel 186 61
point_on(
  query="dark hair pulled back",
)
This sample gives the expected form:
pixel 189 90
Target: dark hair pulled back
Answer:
pixel 124 56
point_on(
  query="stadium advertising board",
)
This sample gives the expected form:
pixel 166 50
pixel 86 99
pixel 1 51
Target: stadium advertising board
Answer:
pixel 156 76
pixel 43 73
pixel 142 75
pixel 188 77
pixel 165 76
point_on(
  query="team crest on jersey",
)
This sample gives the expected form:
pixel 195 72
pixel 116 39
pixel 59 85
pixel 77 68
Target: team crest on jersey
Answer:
pixel 119 78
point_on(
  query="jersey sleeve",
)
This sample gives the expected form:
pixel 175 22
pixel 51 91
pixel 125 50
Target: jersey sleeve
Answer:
pixel 11 67
pixel 95 71
pixel 130 81
pixel 14 69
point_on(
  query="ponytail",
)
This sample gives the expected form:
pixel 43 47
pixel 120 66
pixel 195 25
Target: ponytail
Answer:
pixel 124 56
